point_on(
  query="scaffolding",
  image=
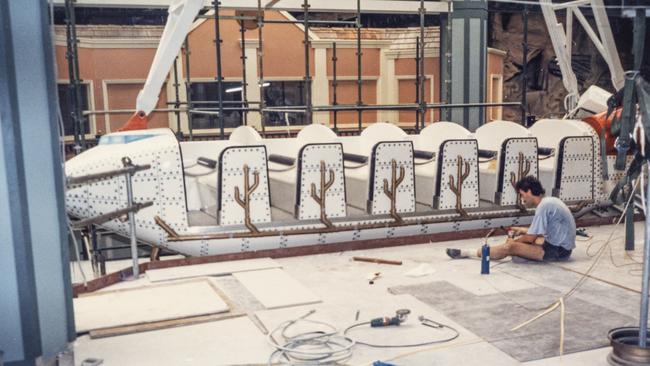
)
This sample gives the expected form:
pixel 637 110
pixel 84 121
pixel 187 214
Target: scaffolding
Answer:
pixel 192 107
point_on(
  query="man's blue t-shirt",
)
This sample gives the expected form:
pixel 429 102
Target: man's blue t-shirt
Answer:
pixel 554 220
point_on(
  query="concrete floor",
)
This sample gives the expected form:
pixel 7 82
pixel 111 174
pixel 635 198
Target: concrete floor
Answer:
pixel 342 285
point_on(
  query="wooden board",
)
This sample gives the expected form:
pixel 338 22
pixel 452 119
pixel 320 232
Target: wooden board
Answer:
pixel 234 312
pixel 275 289
pixel 210 269
pixel 146 304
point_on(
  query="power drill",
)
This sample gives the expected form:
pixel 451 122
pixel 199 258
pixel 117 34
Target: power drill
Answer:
pixel 400 317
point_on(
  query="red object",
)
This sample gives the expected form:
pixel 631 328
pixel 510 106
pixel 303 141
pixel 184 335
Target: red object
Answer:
pixel 600 120
pixel 138 121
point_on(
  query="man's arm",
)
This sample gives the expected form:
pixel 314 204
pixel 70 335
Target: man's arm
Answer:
pixel 527 238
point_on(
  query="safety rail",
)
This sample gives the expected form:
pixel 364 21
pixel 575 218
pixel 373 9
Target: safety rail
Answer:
pixel 127 171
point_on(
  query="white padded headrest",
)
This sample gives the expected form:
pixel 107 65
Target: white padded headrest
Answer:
pixel 491 135
pixel 245 135
pixel 316 133
pixel 380 131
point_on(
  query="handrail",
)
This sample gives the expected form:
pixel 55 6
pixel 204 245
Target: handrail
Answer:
pixel 74 181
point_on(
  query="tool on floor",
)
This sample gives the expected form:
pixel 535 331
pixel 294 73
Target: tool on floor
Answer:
pixel 380 363
pixel 485 254
pixel 373 277
pixel 92 362
pixel 485 259
pixel 377 260
pixel 399 318
pixel 430 323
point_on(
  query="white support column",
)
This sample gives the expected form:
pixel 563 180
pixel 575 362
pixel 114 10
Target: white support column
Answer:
pixel 387 86
pixel 320 85
pixel 252 78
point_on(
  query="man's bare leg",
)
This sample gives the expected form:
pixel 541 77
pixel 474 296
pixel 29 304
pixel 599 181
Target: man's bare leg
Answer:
pixel 532 251
pixel 511 247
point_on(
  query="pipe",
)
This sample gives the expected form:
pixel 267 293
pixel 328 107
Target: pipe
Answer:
pixel 359 98
pixel 334 84
pixel 177 102
pixel 244 84
pixel 643 316
pixel 421 101
pixel 307 45
pixel 129 195
pixel 217 34
pixel 188 87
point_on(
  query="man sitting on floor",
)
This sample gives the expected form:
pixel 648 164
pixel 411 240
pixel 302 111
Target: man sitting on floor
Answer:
pixel 551 236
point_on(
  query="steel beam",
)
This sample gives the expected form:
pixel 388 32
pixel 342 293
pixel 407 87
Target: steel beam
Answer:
pixel 340 6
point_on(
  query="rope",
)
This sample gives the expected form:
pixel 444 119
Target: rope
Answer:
pixel 581 281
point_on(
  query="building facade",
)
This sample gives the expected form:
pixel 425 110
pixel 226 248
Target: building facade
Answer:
pixel 114 62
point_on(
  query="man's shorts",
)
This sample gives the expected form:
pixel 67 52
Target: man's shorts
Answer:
pixel 554 252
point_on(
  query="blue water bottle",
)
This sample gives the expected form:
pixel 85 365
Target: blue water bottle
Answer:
pixel 485 259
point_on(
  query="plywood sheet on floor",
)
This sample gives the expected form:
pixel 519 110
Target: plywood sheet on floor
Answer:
pixel 225 342
pixel 274 288
pixel 210 269
pixel 492 316
pixel 147 304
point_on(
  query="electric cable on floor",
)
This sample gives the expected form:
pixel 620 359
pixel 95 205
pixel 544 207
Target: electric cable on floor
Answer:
pixel 309 348
pixel 375 345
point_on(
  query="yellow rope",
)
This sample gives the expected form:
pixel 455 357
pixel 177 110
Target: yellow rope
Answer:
pixel 581 281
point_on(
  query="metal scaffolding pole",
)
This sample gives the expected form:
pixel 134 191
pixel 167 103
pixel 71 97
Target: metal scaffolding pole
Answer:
pixel 244 84
pixel 177 102
pixel 645 284
pixel 188 87
pixel 524 70
pixel 422 101
pixel 417 81
pixel 307 90
pixel 72 54
pixel 448 58
pixel 260 63
pixel 334 85
pixel 217 43
pixel 359 53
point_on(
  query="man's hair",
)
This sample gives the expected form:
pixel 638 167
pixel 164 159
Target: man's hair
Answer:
pixel 530 183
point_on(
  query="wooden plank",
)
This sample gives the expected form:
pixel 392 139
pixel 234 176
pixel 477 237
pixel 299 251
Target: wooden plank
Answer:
pixel 274 288
pixel 145 327
pixel 146 305
pixel 211 269
pixel 235 311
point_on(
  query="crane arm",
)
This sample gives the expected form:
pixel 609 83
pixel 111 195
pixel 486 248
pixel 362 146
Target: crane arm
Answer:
pixel 179 22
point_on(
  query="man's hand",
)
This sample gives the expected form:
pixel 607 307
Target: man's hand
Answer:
pixel 517 230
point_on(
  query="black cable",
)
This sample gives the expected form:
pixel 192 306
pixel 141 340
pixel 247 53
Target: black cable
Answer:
pixel 441 326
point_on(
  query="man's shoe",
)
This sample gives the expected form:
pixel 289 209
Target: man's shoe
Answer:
pixel 454 253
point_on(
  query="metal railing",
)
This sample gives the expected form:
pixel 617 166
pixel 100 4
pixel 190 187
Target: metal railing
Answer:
pixel 128 171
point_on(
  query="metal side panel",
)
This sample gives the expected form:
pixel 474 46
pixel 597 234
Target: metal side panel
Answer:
pixel 170 202
pixel 392 159
pixel 451 151
pixel 518 159
pixel 312 158
pixel 575 174
pixel 233 162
